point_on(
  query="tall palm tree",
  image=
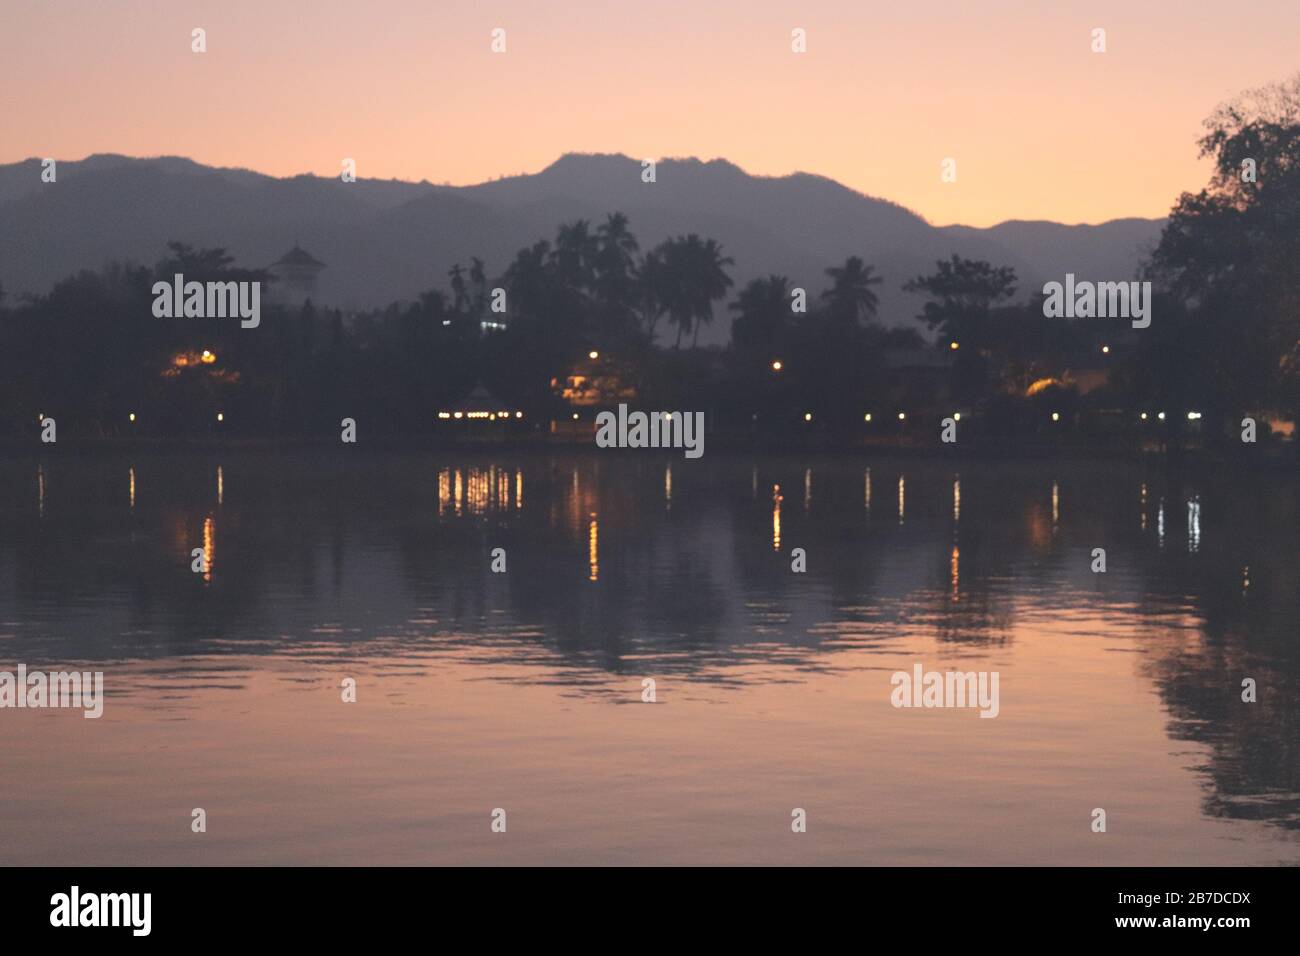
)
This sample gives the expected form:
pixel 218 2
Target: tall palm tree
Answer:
pixel 695 277
pixel 615 271
pixel 575 254
pixel 763 315
pixel 652 292
pixel 850 298
pixel 528 279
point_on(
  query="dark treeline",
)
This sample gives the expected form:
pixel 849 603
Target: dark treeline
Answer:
pixel 806 353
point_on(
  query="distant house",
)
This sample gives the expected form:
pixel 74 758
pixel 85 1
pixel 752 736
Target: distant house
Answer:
pixel 295 275
pixel 479 405
pixel 593 381
pixel 919 377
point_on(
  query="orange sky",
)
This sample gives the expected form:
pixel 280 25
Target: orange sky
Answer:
pixel 1041 127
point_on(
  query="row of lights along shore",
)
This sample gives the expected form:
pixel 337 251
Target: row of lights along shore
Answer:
pixel 776 367
pixel 807 416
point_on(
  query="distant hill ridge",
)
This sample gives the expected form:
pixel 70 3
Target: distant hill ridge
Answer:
pixel 388 239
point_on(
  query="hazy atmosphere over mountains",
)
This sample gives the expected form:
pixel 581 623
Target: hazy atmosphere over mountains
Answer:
pixel 387 240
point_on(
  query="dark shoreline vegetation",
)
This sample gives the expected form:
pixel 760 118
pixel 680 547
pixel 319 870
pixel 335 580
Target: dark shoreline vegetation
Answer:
pixel 583 314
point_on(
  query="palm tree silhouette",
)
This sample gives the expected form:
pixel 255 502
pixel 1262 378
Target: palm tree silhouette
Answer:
pixel 850 299
pixel 763 315
pixel 695 278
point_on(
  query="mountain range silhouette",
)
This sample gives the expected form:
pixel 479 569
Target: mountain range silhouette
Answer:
pixel 387 240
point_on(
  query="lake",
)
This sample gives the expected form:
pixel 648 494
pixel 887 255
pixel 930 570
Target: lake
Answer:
pixel 524 690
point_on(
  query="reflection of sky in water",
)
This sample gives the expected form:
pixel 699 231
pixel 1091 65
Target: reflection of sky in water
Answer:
pixel 623 567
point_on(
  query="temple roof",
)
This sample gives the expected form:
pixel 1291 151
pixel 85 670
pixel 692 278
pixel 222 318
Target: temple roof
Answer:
pixel 479 400
pixel 297 256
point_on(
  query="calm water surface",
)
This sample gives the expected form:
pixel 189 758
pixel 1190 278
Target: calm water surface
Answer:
pixel 523 690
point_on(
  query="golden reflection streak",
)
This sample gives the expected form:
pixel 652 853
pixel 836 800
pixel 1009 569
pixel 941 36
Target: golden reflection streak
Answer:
pixel 132 483
pixel 807 489
pixel 1144 506
pixel 593 557
pixel 956 572
pixel 776 517
pixel 902 497
pixel 221 485
pixel 459 492
pixel 519 489
pixel 956 499
pixel 444 490
pixel 668 485
pixel 1056 505
pixel 209 546
pixel 866 490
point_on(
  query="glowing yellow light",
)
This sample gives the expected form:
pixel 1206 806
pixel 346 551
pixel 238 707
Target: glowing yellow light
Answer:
pixel 956 416
pixel 777 366
pixel 458 415
pixel 1144 416
pixel 444 414
pixel 132 416
pixel 1161 416
pixel 866 417
pixel 1056 416
pixel 954 346
pixel 593 354
pixel 221 416
pixel 207 357
pixel 575 416
pixel 902 415
pixel 519 414
pixel 807 416
pixel 1105 350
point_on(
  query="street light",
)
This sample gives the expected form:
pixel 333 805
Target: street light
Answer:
pixel 593 354
pixel 1056 416
pixel 777 366
pixel 221 416
pixel 954 345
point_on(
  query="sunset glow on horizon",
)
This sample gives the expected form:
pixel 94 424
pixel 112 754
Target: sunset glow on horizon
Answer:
pixel 1040 126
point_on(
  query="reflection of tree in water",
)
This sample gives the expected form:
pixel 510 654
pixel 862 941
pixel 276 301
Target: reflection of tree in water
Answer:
pixel 323 560
pixel 1247 601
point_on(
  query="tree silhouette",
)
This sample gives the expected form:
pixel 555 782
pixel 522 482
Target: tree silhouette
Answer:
pixel 1230 254
pixel 962 292
pixel 850 299
pixel 695 277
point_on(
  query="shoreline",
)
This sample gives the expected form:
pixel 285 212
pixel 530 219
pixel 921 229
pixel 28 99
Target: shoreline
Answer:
pixel 1279 457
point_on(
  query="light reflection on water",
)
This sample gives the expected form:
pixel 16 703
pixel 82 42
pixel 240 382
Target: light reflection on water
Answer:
pixel 1119 690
